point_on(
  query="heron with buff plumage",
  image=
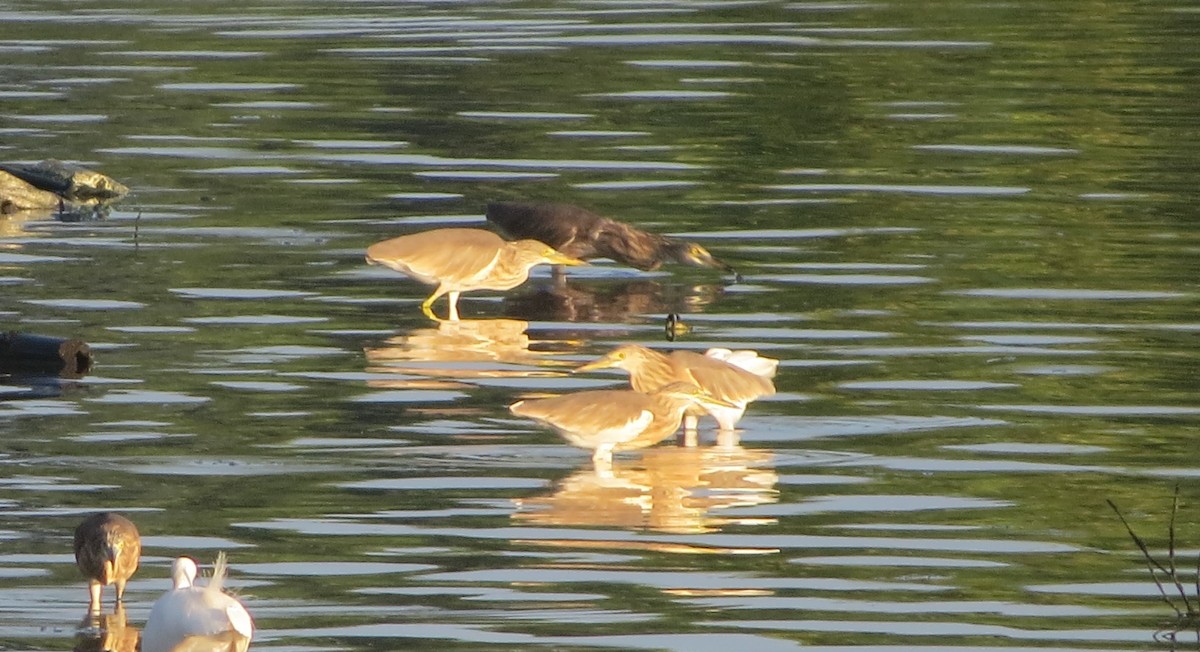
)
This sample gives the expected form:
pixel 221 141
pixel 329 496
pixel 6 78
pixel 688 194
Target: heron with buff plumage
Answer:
pixel 463 260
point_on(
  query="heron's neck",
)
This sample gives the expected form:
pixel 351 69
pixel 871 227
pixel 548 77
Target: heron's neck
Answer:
pixel 181 579
pixel 650 372
pixel 511 268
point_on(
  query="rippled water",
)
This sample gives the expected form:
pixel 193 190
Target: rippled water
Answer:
pixel 965 229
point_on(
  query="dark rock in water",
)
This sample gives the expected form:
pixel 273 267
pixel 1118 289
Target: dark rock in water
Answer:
pixel 68 181
pixel 52 184
pixel 17 195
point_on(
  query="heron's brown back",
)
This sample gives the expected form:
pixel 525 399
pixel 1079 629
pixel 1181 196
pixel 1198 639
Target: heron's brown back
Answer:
pixel 586 411
pixel 454 257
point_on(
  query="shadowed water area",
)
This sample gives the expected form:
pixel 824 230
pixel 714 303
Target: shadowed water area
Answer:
pixel 967 230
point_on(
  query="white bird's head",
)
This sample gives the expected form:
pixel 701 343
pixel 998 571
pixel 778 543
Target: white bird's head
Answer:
pixel 183 572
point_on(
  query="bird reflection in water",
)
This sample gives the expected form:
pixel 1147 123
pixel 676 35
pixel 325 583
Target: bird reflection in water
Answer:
pixel 107 632
pixel 668 489
pixel 465 349
pixel 608 302
pixel 12 225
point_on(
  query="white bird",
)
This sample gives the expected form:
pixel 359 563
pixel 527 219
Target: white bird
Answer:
pixel 194 619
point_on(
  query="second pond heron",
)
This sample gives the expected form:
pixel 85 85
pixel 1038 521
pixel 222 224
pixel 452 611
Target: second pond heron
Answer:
pixel 460 260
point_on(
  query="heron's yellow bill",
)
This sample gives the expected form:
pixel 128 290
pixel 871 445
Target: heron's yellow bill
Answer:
pixel 591 366
pixel 556 257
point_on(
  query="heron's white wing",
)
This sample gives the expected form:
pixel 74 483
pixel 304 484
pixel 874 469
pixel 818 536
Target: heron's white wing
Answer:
pixel 746 359
pixel 240 619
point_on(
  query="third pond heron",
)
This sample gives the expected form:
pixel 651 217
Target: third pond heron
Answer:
pixel 610 420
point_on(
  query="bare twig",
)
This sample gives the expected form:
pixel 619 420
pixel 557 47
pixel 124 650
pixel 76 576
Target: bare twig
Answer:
pixel 1151 562
pixel 1171 553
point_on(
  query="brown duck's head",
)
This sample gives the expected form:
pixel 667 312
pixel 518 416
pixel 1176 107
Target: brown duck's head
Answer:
pixel 690 253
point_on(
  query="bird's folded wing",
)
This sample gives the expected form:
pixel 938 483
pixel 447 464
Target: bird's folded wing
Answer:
pixel 439 254
pixel 727 381
pixel 594 412
pixel 240 619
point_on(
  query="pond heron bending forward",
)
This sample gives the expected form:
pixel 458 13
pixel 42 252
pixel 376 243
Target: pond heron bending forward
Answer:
pixel 583 234
pixel 461 260
pixel 107 551
pixel 615 420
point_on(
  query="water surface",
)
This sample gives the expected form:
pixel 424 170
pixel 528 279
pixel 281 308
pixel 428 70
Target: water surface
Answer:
pixel 965 230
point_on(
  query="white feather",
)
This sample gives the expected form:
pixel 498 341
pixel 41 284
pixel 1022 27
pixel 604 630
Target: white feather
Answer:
pixel 746 359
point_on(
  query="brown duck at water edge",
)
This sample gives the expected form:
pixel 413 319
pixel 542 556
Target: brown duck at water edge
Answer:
pixel 583 234
pixel 461 260
pixel 107 551
pixel 615 420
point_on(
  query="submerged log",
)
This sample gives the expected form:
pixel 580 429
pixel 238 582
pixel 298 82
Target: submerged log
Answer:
pixel 22 352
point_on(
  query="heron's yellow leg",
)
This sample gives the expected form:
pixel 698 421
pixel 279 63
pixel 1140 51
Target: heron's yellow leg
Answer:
pixel 427 308
pixel 427 305
pixel 454 306
pixel 689 438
